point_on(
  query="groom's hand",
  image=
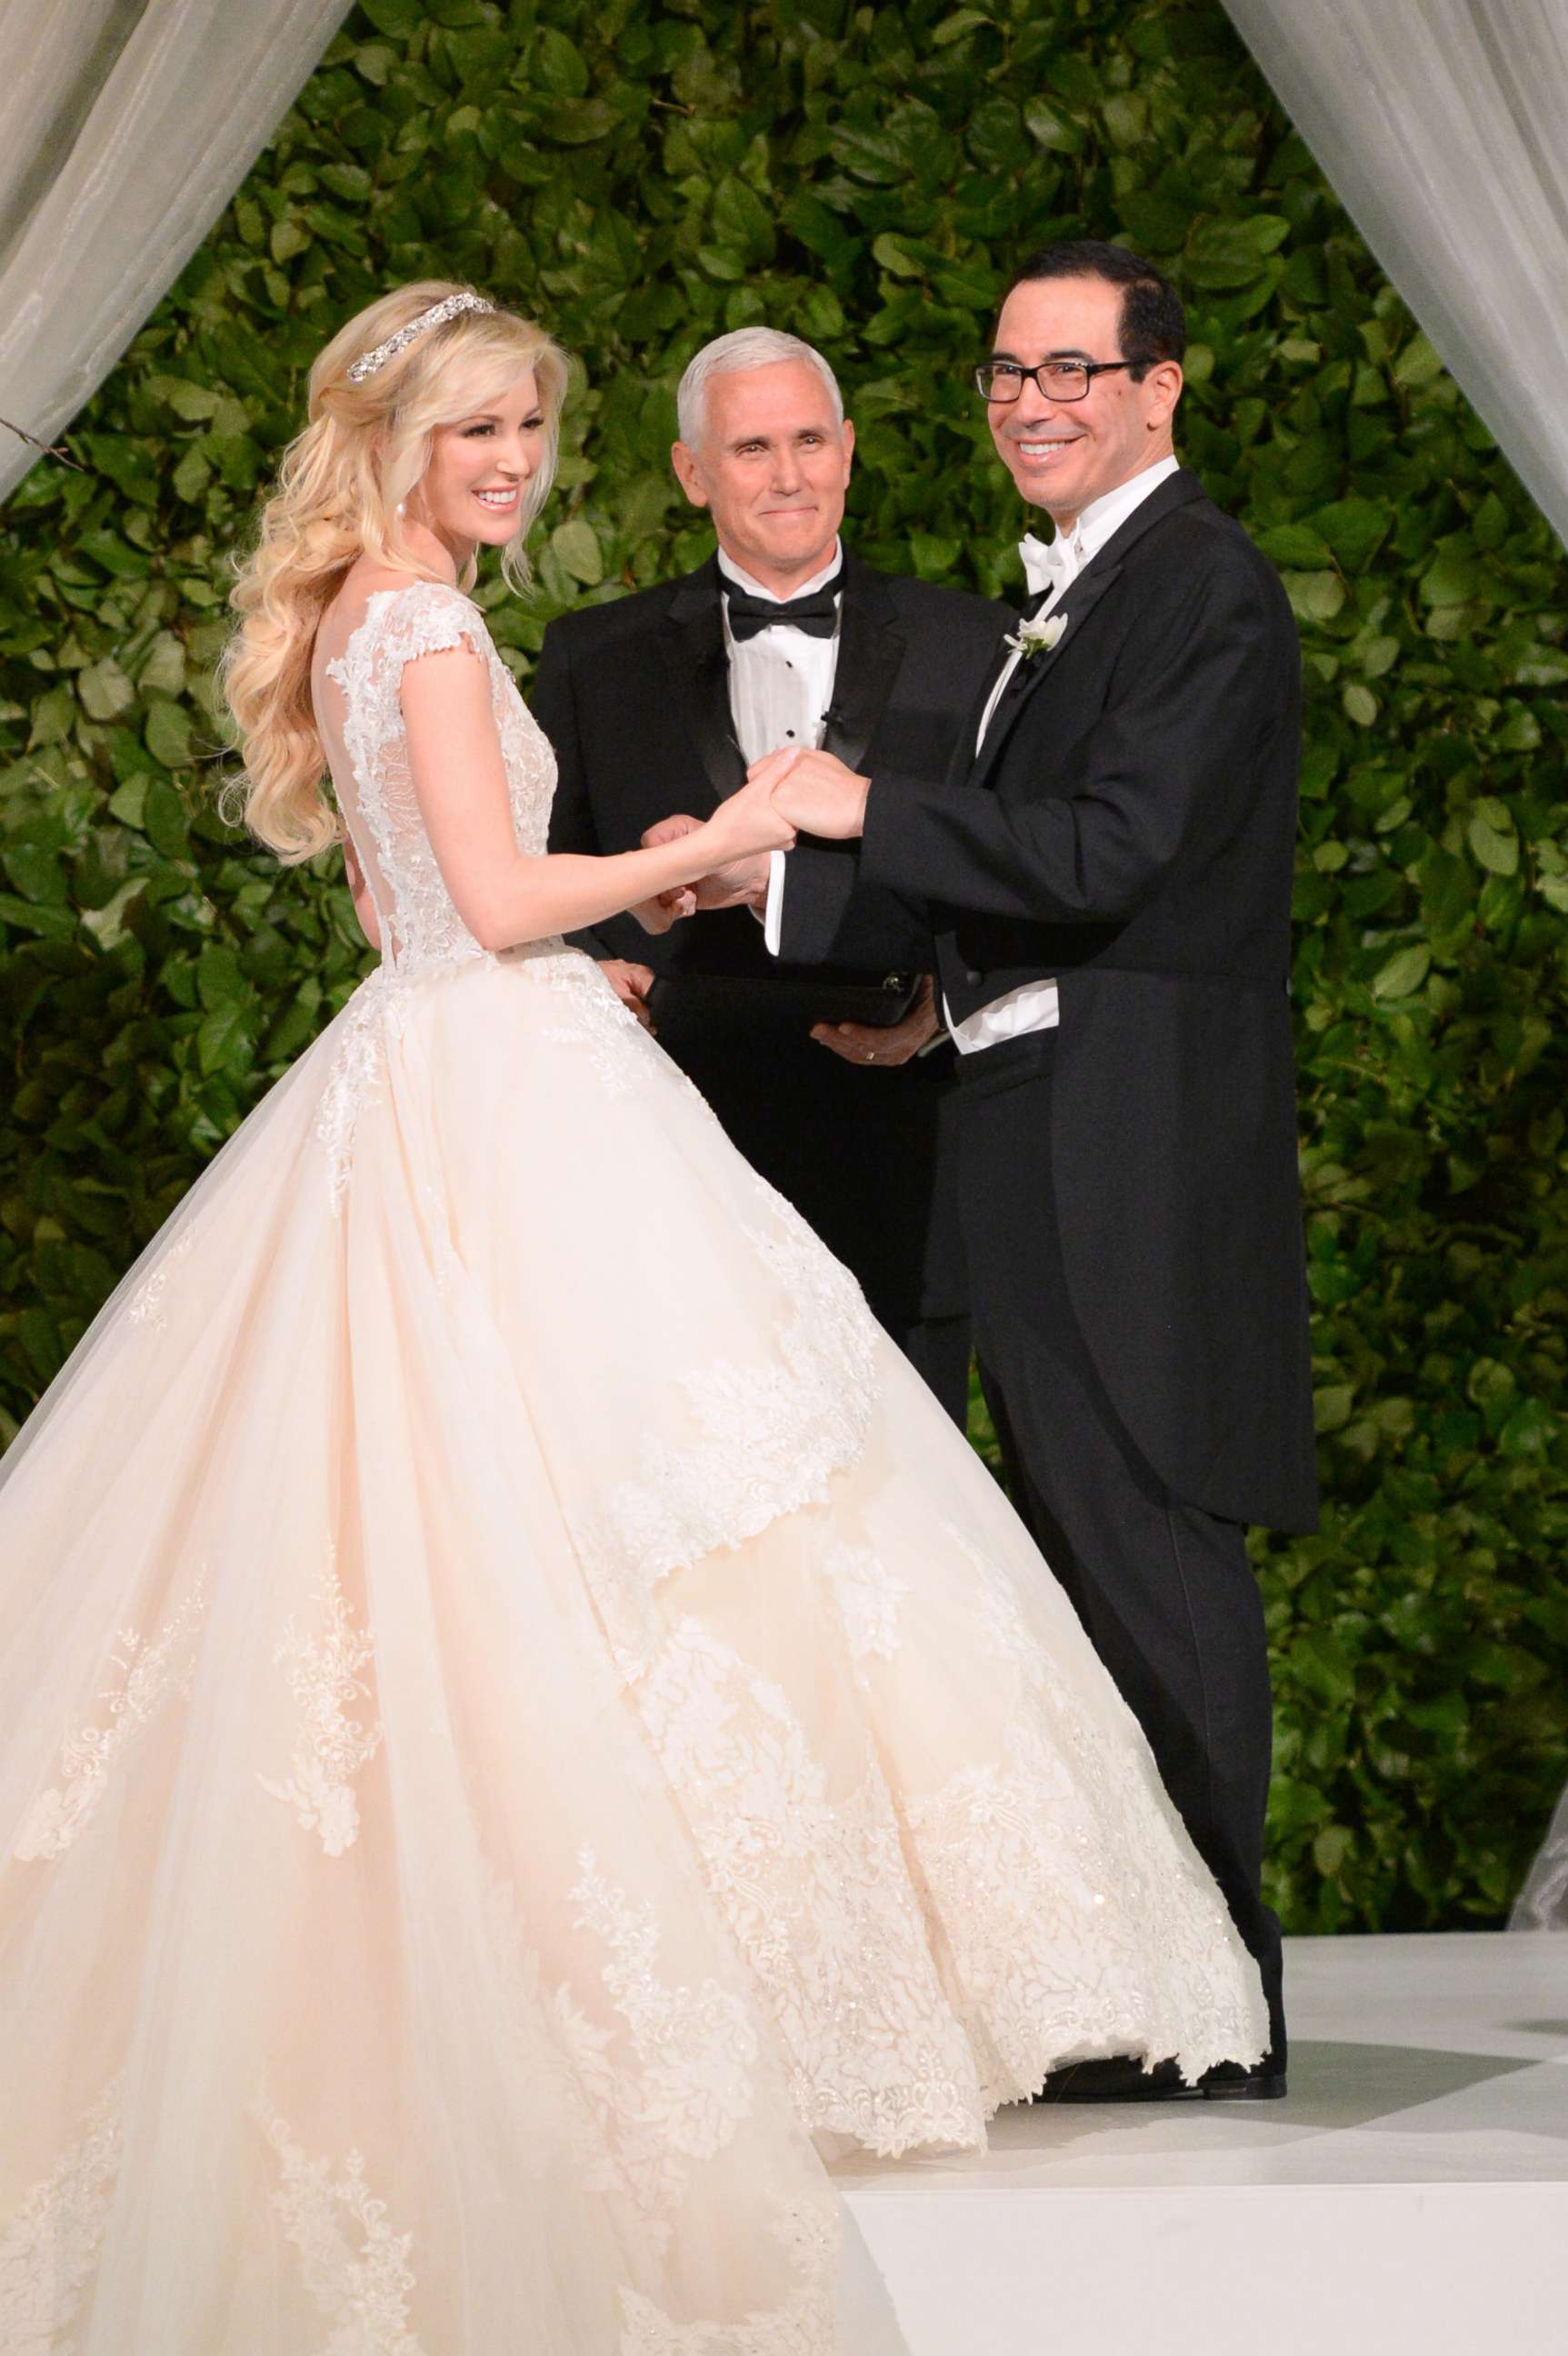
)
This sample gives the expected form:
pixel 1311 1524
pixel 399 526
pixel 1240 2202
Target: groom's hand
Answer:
pixel 816 793
pixel 742 883
pixel 884 1049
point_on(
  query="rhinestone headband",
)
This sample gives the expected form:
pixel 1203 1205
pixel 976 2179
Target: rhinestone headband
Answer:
pixel 369 362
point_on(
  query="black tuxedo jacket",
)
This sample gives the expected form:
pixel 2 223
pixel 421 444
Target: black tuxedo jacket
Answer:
pixel 1129 827
pixel 634 696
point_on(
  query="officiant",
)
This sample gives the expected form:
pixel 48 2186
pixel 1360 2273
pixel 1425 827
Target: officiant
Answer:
pixel 657 702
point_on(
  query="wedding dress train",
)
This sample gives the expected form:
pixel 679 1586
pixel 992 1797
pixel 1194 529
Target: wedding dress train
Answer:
pixel 522 1729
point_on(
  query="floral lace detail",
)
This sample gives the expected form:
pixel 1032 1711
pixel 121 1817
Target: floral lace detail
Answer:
pixel 325 1677
pixel 770 1435
pixel 1077 1916
pixel 48 2253
pixel 148 1301
pixel 868 1597
pixel 358 1071
pixel 399 625
pixel 695 2049
pixel 150 1674
pixel 363 2291
pixel 806 2327
pixel 620 1047
pixel 818 1898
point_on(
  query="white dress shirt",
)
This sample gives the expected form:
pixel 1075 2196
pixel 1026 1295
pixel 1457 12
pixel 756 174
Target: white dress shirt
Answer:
pixel 1054 565
pixel 780 685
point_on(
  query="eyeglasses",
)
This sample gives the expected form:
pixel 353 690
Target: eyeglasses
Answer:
pixel 1057 379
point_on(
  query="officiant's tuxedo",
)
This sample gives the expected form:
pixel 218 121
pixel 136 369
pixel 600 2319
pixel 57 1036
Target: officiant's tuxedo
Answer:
pixel 1128 1179
pixel 635 697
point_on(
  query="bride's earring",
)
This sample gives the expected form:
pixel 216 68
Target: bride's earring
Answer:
pixel 400 509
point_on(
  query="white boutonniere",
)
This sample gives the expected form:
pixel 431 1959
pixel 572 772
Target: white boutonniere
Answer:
pixel 1039 637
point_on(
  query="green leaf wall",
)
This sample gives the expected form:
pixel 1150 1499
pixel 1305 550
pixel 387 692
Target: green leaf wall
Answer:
pixel 644 177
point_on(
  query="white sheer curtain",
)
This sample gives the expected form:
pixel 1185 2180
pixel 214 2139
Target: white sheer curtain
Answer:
pixel 1542 1903
pixel 126 126
pixel 1440 125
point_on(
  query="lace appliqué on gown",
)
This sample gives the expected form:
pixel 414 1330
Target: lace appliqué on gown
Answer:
pixel 150 1675
pixel 804 2328
pixel 50 2249
pixel 817 1894
pixel 1056 1896
pixel 325 1677
pixel 696 2050
pixel 602 1024
pixel 363 2291
pixel 357 1073
pixel 425 934
pixel 768 1437
pixel 869 1596
pixel 399 627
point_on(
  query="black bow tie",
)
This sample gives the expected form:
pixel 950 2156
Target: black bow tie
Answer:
pixel 816 613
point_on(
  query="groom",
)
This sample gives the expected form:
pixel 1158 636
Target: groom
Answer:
pixel 1109 868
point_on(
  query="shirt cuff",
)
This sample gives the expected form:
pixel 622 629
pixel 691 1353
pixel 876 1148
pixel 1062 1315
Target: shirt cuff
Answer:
pixel 773 916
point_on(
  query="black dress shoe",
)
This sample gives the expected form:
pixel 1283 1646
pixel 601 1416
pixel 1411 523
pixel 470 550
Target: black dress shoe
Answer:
pixel 1122 2080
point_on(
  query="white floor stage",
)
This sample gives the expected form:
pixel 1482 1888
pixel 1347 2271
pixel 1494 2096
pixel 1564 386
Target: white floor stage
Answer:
pixel 1410 2193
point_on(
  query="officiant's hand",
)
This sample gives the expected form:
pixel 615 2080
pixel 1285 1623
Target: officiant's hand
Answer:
pixel 741 883
pixel 815 792
pixel 631 984
pixel 863 1042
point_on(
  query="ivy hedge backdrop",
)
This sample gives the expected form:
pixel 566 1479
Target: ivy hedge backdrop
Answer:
pixel 644 174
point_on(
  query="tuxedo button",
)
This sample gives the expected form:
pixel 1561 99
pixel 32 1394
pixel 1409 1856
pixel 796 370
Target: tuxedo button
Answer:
pixel 970 975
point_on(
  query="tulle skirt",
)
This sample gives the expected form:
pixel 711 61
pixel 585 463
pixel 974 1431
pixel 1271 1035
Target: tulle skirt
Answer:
pixel 523 1731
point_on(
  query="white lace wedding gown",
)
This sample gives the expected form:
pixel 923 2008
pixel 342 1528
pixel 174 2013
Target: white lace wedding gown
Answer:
pixel 521 1725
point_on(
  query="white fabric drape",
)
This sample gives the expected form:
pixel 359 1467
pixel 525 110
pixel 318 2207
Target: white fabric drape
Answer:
pixel 126 126
pixel 1439 124
pixel 1542 1903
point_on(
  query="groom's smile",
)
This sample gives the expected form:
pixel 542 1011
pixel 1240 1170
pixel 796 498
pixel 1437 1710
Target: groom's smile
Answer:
pixel 1063 454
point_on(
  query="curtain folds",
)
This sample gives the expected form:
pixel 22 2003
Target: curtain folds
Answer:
pixel 126 126
pixel 1439 124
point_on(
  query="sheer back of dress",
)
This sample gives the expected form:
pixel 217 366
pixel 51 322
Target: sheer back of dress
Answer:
pixel 360 718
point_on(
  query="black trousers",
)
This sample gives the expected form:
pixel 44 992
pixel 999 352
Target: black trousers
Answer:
pixel 1163 1589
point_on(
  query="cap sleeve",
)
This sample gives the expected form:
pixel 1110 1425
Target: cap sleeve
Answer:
pixel 429 618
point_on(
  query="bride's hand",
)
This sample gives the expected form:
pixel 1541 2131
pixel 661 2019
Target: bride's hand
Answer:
pixel 658 915
pixel 745 824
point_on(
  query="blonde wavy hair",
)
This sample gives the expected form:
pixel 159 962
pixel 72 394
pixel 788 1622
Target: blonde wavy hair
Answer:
pixel 340 489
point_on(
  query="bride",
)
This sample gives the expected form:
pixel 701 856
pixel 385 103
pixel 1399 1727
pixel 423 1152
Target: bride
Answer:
pixel 522 1729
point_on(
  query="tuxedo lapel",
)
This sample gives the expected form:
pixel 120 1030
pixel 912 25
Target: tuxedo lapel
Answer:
pixel 1073 611
pixel 965 755
pixel 871 651
pixel 693 646
pixel 1077 604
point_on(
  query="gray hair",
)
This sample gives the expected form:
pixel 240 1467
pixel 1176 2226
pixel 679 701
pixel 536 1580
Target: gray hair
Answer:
pixel 744 348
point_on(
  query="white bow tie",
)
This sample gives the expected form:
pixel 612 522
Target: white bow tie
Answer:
pixel 1049 564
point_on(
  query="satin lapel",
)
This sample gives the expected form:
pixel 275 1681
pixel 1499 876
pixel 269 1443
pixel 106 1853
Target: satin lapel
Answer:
pixel 699 672
pixel 871 651
pixel 1075 608
pixel 965 755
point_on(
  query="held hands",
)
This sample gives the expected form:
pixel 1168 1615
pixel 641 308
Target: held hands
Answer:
pixel 658 915
pixel 741 883
pixel 815 791
pixel 732 847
